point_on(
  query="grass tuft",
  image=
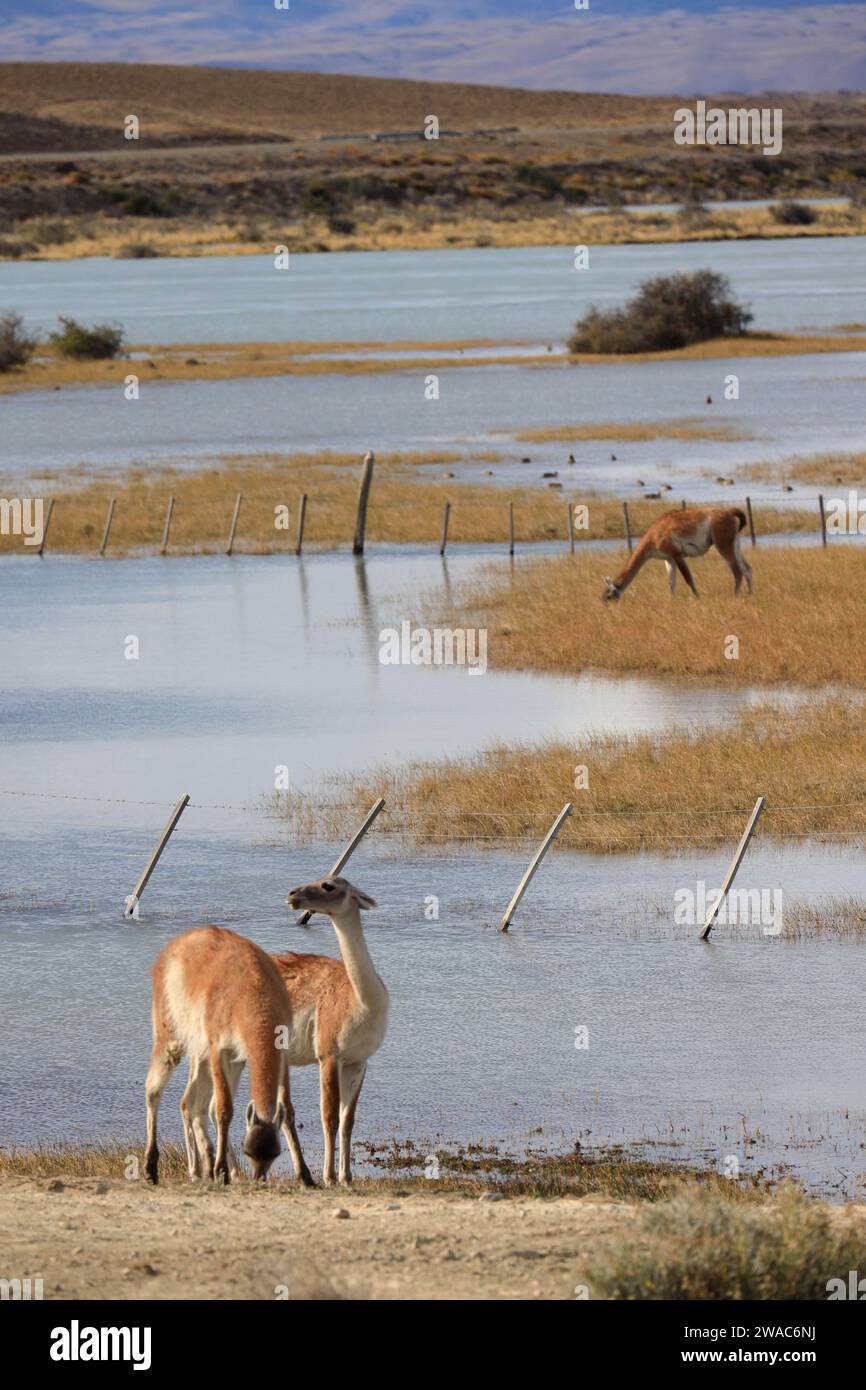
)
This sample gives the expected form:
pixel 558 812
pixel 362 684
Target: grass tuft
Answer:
pixel 700 1247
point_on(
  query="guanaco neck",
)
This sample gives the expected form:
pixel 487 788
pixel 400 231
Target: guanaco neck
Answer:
pixel 264 1068
pixel 635 562
pixel 371 993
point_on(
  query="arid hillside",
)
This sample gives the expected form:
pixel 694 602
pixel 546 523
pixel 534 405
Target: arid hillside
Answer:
pixel 61 101
pixel 238 158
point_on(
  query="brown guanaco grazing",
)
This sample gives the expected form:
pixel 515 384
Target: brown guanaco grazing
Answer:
pixel 690 531
pixel 220 999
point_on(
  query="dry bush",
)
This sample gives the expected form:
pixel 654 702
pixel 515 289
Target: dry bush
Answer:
pixel 701 1247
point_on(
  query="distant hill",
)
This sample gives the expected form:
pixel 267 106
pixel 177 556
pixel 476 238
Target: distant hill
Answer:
pixel 260 150
pixel 79 105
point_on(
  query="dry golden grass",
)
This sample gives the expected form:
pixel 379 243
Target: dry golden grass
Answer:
pixel 827 918
pixel 634 431
pixel 468 1170
pixel 402 509
pixel 231 361
pixel 644 792
pixel 417 229
pixel 820 469
pixel 804 622
pixel 748 345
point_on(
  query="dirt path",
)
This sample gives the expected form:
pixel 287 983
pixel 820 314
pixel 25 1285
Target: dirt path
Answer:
pixel 102 1238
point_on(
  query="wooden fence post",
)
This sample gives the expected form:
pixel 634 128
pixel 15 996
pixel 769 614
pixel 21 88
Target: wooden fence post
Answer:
pixel 234 525
pixel 45 527
pixel 169 512
pixel 568 506
pixel 302 512
pixel 751 520
pixel 363 494
pixel 627 525
pixel 349 850
pixel 511 528
pixel 735 864
pixel 107 531
pixel 446 513
pixel 130 908
pixel 524 883
pixel 823 518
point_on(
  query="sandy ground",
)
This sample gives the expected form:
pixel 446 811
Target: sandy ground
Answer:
pixel 103 1238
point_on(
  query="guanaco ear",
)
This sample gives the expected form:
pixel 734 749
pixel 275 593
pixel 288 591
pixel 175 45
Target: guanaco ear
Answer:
pixel 363 899
pixel 250 1114
pixel 279 1115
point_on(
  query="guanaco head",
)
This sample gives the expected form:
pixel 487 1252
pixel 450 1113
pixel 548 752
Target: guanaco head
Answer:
pixel 330 895
pixel 262 1142
pixel 612 591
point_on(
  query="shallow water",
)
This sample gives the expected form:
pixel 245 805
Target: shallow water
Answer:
pixel 530 296
pixel 784 408
pixel 509 294
pixel 257 661
pixel 252 662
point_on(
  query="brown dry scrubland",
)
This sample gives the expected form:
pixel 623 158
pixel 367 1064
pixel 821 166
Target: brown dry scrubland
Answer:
pixel 234 161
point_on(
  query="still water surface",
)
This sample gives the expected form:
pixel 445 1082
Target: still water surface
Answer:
pixel 249 663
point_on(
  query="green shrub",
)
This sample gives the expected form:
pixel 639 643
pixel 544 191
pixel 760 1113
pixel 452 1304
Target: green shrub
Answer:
pixel 16 345
pixel 702 1246
pixel 669 311
pixel 100 341
pixel 794 214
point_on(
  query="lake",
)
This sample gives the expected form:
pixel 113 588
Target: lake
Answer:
pixel 748 1046
pixel 511 294
pixel 787 405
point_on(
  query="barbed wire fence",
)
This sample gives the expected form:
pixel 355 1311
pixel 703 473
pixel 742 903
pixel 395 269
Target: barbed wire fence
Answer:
pixel 573 530
pixel 407 828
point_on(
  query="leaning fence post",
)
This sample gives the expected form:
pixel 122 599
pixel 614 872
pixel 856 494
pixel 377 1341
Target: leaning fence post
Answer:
pixel 363 494
pixel 823 518
pixel 511 528
pixel 169 511
pixel 751 520
pixel 446 513
pixel 45 527
pixel 130 908
pixel 234 525
pixel 530 872
pixel 302 512
pixel 627 525
pixel 349 850
pixel 106 532
pixel 570 526
pixel 735 864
